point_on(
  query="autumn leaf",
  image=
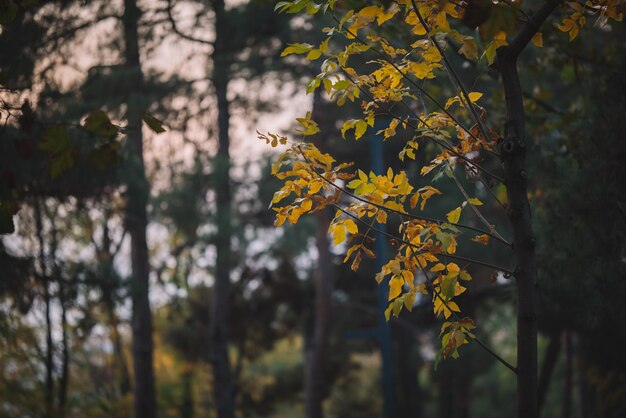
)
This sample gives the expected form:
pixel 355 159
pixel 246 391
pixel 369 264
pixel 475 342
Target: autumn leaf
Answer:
pixel 454 215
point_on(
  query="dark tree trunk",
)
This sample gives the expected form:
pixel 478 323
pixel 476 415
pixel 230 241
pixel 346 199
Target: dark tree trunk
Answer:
pixel 118 352
pixel 407 364
pixel 186 409
pixel 220 306
pixel 567 389
pixel 49 397
pixel 514 161
pixel 547 368
pixel 136 222
pixel 513 150
pixel 65 360
pixel 62 296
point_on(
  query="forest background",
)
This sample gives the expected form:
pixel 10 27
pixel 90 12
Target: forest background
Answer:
pixel 133 183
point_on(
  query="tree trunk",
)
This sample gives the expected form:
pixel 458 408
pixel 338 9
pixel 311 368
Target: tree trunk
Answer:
pixel 220 306
pixel 186 408
pixel 407 363
pixel 65 364
pixel 567 389
pixel 118 352
pixel 513 151
pixel 547 368
pixel 49 397
pixel 316 351
pixel 317 344
pixel 136 222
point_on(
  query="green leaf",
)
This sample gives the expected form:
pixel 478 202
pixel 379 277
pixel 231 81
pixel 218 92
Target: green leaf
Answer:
pixel 56 140
pixel 62 155
pixel 153 123
pixel 296 49
pixel 99 124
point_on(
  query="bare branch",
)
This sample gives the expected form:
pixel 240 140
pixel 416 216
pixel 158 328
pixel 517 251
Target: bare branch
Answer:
pixel 177 31
pixel 531 26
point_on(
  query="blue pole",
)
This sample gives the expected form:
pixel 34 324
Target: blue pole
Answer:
pixel 384 333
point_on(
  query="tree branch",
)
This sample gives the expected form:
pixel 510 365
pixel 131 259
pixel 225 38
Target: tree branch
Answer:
pixel 172 21
pixel 456 80
pixel 408 215
pixel 435 140
pixel 530 28
pixel 415 247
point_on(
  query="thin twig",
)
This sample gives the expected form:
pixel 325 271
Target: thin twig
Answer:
pixel 408 79
pixel 456 80
pixel 413 246
pixel 489 226
pixel 412 216
pixel 435 140
pixel 458 319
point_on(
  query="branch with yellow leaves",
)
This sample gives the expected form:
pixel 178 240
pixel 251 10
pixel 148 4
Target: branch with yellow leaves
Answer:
pixel 409 215
pixel 411 125
pixel 454 77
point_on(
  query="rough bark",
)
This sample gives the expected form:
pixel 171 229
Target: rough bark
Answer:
pixel 220 306
pixel 136 222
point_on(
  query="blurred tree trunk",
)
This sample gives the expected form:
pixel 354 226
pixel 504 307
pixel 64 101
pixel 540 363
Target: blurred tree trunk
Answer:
pixel 220 306
pixel 136 220
pixel 186 408
pixel 547 368
pixel 567 389
pixel 65 363
pixel 49 396
pixel 407 364
pixel 62 296
pixel 314 376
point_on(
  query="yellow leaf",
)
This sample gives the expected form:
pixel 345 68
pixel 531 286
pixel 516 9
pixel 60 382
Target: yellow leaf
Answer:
pixel 481 239
pixel 313 55
pixel 453 270
pixel 474 96
pixel 351 226
pixel 469 48
pixel 339 233
pixel 369 11
pixel 537 39
pixel 474 201
pixel 454 215
pixel 438 267
pixel 395 287
pixel 409 299
pixel 306 205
